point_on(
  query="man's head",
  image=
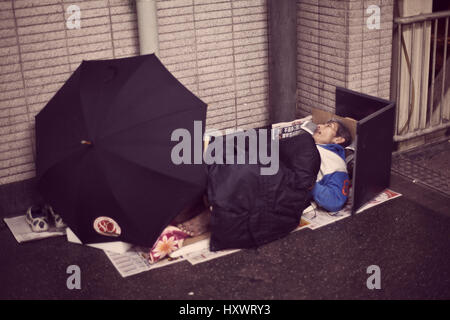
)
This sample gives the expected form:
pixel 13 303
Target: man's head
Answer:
pixel 332 131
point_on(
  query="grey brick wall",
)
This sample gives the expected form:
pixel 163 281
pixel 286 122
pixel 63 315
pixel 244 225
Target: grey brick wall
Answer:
pixel 38 53
pixel 336 48
pixel 217 48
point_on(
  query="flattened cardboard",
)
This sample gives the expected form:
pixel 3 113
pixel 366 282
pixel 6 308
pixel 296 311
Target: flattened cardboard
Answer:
pixel 322 116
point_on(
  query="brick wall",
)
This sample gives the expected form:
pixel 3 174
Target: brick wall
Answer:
pixel 217 48
pixel 336 48
pixel 370 51
pixel 38 53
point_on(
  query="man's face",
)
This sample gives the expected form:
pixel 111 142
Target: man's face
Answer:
pixel 326 133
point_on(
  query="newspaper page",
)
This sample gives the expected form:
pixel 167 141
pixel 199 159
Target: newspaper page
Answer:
pixel 199 252
pixel 384 196
pixel 135 261
pixel 23 233
pixel 293 128
pixel 318 218
pixel 302 225
pixel 204 255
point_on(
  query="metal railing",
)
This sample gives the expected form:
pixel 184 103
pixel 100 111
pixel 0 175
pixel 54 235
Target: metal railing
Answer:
pixel 422 97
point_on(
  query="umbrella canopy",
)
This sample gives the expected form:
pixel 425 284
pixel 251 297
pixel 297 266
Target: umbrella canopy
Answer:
pixel 103 150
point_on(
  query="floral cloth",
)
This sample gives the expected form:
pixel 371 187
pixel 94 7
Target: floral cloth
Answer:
pixel 171 239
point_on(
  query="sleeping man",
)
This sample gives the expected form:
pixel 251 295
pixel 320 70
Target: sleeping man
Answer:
pixel 327 186
pixel 331 189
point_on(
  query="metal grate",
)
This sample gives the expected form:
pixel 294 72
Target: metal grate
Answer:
pixel 411 165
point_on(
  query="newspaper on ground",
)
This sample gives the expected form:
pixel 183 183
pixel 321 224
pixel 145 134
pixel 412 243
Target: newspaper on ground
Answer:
pixel 23 233
pixel 199 252
pixel 317 218
pixel 384 196
pixel 135 261
pixel 207 255
pixel 302 225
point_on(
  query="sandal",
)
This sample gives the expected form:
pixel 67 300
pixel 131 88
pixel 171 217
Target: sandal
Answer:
pixel 197 225
pixel 58 221
pixel 185 230
pixel 37 219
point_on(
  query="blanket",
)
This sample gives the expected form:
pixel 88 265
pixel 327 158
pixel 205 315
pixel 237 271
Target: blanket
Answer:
pixel 250 209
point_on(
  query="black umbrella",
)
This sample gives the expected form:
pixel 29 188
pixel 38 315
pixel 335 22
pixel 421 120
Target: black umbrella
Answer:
pixel 104 150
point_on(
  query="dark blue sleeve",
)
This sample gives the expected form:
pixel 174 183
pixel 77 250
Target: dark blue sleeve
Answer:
pixel 331 192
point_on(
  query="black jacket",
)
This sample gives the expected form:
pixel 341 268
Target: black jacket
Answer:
pixel 250 209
